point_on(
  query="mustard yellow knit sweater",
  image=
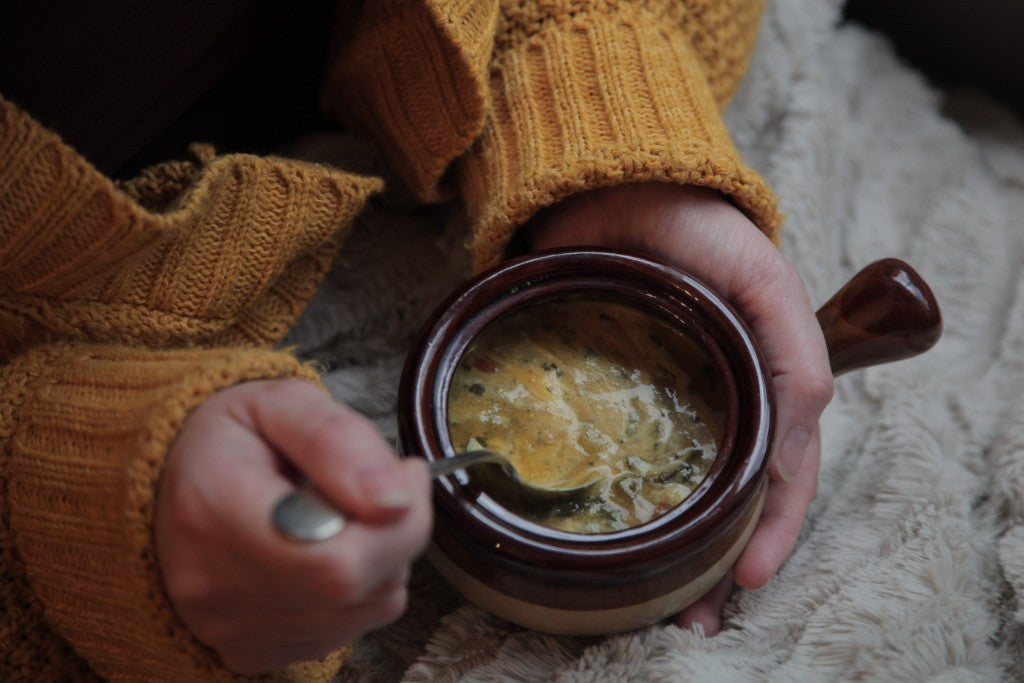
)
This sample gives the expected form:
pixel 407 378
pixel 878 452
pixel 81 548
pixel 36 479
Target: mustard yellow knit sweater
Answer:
pixel 123 306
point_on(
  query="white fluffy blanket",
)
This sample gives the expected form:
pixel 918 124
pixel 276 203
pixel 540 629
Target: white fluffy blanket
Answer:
pixel 911 564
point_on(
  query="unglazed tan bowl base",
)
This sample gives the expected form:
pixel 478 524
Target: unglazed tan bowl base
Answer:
pixel 591 622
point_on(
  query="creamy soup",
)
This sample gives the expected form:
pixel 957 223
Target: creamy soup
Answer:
pixel 578 389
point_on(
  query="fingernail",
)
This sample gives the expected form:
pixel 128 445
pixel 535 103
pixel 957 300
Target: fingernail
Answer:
pixel 791 453
pixel 386 487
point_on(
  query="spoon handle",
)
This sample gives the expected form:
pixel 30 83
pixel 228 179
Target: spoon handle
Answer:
pixel 461 461
pixel 304 515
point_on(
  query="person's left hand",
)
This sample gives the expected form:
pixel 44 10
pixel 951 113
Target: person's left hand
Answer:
pixel 701 232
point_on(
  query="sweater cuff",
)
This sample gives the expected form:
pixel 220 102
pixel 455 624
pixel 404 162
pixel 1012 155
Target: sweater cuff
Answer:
pixel 592 101
pixel 87 432
pixel 216 251
pixel 411 78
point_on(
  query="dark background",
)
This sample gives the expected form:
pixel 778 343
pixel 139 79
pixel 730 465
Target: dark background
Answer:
pixel 130 83
pixel 978 43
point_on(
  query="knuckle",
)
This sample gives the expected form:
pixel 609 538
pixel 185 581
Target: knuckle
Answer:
pixel 771 270
pixel 818 390
pixel 393 605
pixel 189 589
pixel 337 432
pixel 290 390
pixel 186 515
pixel 190 514
pixel 396 603
pixel 340 576
pixel 765 275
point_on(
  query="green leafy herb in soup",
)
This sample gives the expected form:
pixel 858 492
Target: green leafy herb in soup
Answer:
pixel 575 388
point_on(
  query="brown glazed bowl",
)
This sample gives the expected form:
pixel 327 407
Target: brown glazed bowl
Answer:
pixel 585 584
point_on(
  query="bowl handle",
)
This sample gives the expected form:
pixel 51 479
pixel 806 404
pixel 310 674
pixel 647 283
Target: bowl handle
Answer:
pixel 887 312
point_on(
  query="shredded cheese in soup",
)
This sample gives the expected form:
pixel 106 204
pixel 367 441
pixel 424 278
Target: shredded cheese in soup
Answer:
pixel 570 390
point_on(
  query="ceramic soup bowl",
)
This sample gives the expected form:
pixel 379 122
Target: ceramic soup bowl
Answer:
pixel 679 512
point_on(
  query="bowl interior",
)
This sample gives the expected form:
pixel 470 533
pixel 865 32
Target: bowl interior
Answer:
pixel 662 292
pixel 583 386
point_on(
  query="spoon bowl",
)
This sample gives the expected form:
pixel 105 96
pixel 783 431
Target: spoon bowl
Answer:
pixel 503 476
pixel 304 515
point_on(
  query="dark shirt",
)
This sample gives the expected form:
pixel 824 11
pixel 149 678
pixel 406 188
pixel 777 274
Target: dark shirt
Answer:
pixel 129 83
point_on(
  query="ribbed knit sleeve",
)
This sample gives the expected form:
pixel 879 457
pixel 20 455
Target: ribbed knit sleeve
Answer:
pixel 577 94
pixel 604 94
pixel 121 308
pixel 413 75
pixel 210 251
pixel 84 430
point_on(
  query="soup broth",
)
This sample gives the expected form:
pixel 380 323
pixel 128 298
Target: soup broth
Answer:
pixel 576 388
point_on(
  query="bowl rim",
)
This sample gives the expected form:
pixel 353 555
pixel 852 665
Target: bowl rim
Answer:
pixel 739 468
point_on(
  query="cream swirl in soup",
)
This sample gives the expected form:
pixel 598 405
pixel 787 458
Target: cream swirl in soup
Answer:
pixel 572 389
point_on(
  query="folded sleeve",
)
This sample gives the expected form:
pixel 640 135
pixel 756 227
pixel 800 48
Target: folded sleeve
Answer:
pixel 213 251
pixel 412 74
pixel 84 431
pixel 123 306
pixel 575 95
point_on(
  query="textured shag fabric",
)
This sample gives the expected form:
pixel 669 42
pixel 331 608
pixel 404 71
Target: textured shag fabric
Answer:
pixel 911 565
pixel 122 306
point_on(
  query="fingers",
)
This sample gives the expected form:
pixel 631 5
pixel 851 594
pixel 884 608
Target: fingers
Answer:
pixel 387 500
pixel 221 482
pixel 704 234
pixel 772 298
pixel 772 542
pixel 775 302
pixel 346 458
pixel 738 260
pixel 781 521
pixel 719 245
pixel 353 565
pixel 707 611
pixel 339 450
pixel 698 230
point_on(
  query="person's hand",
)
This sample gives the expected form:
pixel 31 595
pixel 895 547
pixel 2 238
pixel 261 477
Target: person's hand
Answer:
pixel 261 600
pixel 701 232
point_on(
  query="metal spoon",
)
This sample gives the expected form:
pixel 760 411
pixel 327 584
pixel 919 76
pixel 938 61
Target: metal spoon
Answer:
pixel 304 515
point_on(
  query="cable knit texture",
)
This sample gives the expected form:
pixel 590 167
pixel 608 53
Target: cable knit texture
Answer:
pixel 122 306
pixel 86 430
pixel 580 94
pixel 102 292
pixel 220 251
pixel 414 78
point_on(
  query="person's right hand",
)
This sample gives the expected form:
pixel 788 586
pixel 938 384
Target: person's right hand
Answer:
pixel 259 599
pixel 700 231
